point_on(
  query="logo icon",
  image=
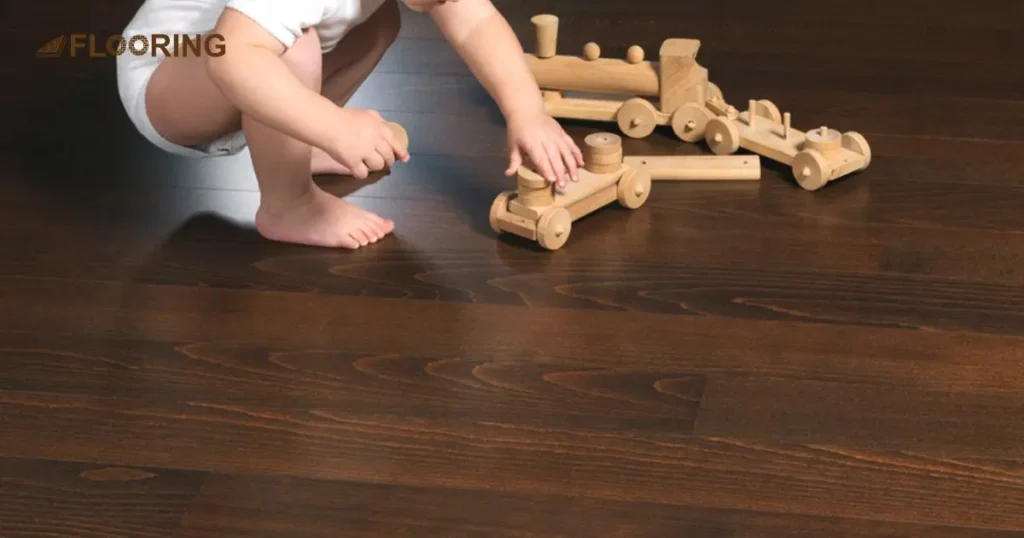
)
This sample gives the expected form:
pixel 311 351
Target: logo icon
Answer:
pixel 53 48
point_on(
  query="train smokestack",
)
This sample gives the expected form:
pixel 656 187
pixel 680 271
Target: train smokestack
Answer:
pixel 546 28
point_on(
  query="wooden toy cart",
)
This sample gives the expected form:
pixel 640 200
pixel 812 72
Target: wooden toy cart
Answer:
pixel 536 211
pixel 679 84
pixel 816 157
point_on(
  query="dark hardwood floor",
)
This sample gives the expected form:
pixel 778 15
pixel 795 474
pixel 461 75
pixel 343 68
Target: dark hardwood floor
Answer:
pixel 731 360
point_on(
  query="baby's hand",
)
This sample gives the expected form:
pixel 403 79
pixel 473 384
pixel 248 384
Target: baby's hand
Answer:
pixel 553 151
pixel 364 143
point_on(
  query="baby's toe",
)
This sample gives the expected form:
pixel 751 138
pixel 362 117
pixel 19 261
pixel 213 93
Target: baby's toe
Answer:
pixel 372 230
pixel 347 240
pixel 359 232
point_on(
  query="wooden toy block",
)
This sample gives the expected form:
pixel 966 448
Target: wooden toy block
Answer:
pixel 698 167
pixel 400 133
pixel 816 157
pixel 676 82
pixel 539 212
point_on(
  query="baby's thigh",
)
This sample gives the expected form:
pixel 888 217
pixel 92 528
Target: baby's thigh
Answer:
pixel 185 106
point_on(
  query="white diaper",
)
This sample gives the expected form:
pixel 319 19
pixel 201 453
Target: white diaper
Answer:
pixel 133 75
pixel 286 21
pixel 135 71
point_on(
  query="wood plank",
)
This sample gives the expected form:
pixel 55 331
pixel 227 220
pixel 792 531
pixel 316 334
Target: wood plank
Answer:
pixel 45 498
pixel 923 359
pixel 714 285
pixel 515 387
pixel 593 394
pixel 507 457
pixel 873 415
pixel 984 14
pixel 730 30
pixel 717 258
pixel 272 507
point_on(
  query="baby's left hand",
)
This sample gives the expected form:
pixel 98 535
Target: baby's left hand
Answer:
pixel 553 151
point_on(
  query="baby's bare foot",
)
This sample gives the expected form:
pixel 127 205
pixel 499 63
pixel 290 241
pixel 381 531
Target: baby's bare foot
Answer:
pixel 321 220
pixel 322 163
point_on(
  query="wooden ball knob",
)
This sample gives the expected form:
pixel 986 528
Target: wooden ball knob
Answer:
pixel 591 51
pixel 635 54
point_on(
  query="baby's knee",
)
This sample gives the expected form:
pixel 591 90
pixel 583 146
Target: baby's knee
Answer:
pixel 305 59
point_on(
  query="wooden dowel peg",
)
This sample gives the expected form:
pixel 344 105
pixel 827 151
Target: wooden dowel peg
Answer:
pixel 698 167
pixel 546 28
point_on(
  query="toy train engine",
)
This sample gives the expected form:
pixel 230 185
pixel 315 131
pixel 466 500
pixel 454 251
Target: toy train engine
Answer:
pixel 538 212
pixel 676 81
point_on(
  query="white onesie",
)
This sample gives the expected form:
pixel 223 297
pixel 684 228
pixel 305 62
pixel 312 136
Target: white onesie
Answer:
pixel 285 19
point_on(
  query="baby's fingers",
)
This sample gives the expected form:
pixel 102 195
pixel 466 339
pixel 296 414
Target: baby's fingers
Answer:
pixel 575 149
pixel 360 171
pixel 393 137
pixel 515 160
pixel 557 166
pixel 569 159
pixel 387 153
pixel 539 156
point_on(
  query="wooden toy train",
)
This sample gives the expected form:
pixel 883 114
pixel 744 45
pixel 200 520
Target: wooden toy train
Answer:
pixel 538 212
pixel 816 157
pixel 679 84
pixel 687 101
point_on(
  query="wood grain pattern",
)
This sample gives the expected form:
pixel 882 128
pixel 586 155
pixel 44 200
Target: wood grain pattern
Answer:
pixel 734 360
pixel 791 478
pixel 43 498
pixel 445 329
pixel 296 508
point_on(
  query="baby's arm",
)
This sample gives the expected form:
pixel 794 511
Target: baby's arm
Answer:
pixel 491 50
pixel 253 77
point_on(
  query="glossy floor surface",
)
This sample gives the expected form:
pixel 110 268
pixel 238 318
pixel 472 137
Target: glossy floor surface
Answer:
pixel 731 360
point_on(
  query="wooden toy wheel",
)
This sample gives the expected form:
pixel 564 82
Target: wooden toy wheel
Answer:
pixel 637 118
pixel 689 122
pixel 722 136
pixel 634 188
pixel 856 143
pixel 810 169
pixel 715 93
pixel 553 228
pixel 498 209
pixel 767 109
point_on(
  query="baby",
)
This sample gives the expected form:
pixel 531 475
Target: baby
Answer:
pixel 280 88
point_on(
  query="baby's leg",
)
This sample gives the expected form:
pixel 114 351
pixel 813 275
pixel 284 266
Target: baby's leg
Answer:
pixel 347 66
pixel 187 108
pixel 292 208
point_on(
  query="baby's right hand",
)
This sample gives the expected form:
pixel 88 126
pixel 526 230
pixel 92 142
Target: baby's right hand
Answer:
pixel 364 143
